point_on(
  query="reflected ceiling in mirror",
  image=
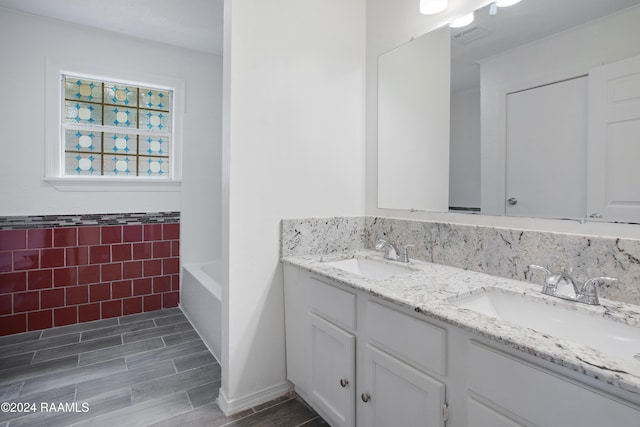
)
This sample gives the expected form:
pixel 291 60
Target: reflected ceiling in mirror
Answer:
pixel 510 27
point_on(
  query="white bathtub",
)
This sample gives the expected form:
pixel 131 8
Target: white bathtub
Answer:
pixel 201 302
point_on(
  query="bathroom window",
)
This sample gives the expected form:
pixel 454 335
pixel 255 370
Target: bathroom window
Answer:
pixel 110 133
pixel 116 129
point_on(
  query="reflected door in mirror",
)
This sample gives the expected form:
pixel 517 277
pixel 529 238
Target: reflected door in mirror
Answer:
pixel 614 141
pixel 547 150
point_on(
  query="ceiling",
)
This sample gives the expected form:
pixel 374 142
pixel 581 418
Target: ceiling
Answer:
pixel 197 24
pixel 191 24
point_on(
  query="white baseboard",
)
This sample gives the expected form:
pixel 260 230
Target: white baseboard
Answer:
pixel 230 407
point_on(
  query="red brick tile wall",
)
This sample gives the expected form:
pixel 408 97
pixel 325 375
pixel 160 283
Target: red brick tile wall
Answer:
pixel 60 276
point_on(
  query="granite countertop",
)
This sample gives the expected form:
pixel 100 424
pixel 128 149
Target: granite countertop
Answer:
pixel 430 289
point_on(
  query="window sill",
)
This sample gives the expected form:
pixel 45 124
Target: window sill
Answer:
pixel 114 184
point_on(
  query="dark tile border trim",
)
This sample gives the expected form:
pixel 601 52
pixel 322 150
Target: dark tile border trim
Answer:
pixel 57 221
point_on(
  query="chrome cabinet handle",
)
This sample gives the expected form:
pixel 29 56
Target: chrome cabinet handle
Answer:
pixel 365 397
pixel 512 201
pixel 344 382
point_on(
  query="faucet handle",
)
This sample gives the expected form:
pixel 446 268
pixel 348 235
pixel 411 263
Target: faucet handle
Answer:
pixel 589 293
pixel 546 271
pixel 594 282
pixel 380 244
pixel 589 289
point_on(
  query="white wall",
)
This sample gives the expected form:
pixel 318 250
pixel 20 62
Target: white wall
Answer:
pixel 464 155
pixel 201 204
pixel 293 146
pixel 26 42
pixel 565 55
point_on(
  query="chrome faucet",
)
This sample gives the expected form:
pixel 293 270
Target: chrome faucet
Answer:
pixel 585 293
pixel 391 251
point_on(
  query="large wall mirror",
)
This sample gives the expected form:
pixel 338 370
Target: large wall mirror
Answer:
pixel 531 110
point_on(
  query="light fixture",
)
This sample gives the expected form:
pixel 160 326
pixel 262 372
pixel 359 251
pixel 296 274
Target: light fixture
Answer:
pixel 463 21
pixel 506 3
pixel 431 7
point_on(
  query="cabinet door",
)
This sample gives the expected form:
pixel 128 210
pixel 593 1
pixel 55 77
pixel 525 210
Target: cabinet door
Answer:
pixel 397 394
pixel 332 379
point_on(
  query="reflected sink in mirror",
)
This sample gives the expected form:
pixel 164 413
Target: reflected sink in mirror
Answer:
pixel 371 269
pixel 606 336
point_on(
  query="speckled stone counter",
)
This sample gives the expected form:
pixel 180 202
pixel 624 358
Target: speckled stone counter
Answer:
pixel 430 289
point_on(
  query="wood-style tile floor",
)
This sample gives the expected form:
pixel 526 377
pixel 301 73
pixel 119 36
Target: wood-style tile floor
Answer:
pixel 137 370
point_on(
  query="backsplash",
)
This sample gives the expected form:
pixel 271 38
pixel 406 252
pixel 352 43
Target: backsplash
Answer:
pixel 321 235
pixel 498 251
pixel 61 270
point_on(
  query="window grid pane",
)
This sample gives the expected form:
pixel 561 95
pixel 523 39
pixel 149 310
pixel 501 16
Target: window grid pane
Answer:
pixel 93 110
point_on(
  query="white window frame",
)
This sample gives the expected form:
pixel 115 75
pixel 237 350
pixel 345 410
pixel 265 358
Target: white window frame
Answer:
pixel 54 134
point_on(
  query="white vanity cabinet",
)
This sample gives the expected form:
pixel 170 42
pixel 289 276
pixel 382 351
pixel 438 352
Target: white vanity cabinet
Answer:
pixel 362 361
pixel 359 362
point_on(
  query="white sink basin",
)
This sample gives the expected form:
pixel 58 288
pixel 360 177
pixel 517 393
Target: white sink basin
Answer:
pixel 605 335
pixel 369 268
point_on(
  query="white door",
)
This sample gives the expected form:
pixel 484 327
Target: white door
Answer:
pixel 547 151
pixel 332 379
pixel 396 394
pixel 614 141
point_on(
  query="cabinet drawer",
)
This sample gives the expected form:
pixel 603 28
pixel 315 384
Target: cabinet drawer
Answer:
pixel 332 303
pixel 417 342
pixel 523 391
